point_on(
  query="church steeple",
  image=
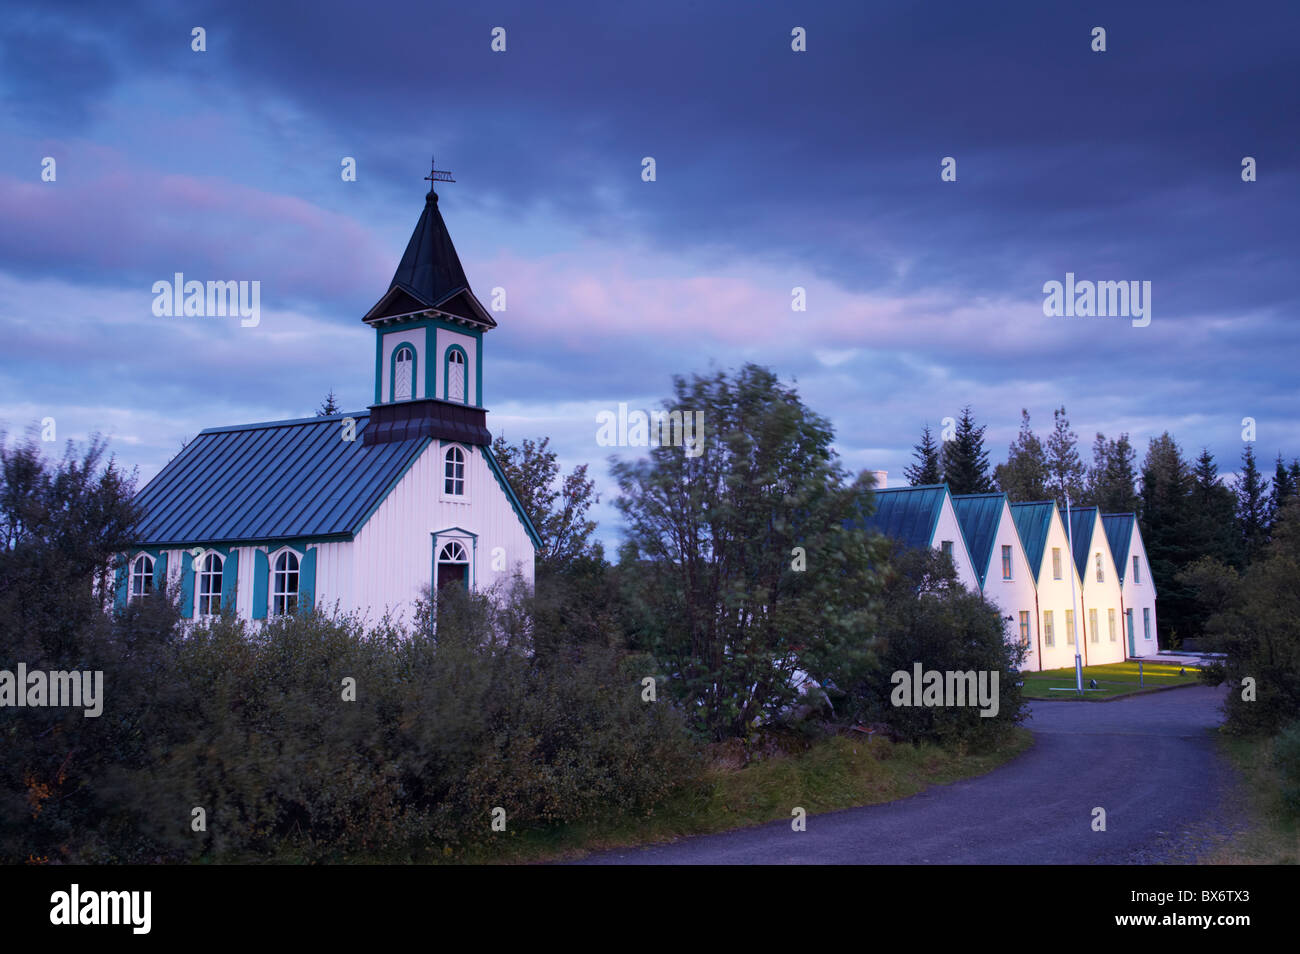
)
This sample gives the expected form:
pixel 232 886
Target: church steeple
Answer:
pixel 429 330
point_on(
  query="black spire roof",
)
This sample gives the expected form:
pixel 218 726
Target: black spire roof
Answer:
pixel 430 275
pixel 430 271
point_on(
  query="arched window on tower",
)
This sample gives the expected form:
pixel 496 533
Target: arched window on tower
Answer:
pixel 456 375
pixel 403 373
pixel 454 472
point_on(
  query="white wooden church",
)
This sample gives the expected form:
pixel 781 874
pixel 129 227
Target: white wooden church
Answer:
pixel 357 512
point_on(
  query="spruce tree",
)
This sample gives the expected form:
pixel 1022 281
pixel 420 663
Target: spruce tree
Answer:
pixel 927 469
pixel 1024 476
pixel 965 461
pixel 1251 489
pixel 329 406
pixel 1212 522
pixel 1111 479
pixel 1165 520
pixel 1065 471
pixel 1283 488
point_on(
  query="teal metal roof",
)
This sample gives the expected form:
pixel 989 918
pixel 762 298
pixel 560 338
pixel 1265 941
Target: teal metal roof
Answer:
pixel 1033 523
pixel 908 514
pixel 271 481
pixel 1119 534
pixel 1082 522
pixel 979 516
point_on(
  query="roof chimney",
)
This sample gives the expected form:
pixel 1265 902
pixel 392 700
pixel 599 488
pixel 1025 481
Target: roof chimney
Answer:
pixel 882 478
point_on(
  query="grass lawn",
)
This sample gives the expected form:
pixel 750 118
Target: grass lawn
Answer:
pixel 1273 835
pixel 833 774
pixel 1113 680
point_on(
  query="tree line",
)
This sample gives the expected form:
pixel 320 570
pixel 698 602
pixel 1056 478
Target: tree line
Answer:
pixel 1186 510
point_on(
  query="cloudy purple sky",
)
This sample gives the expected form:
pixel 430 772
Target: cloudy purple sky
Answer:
pixel 775 169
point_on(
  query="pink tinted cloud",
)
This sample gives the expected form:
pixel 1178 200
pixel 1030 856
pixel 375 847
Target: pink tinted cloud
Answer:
pixel 139 222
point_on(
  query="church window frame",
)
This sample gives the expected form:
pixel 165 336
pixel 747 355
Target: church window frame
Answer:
pixel 455 354
pixel 455 479
pixel 207 589
pixel 141 577
pixel 404 347
pixel 286 581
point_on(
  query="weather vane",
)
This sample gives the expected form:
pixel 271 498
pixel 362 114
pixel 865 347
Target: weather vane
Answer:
pixel 436 174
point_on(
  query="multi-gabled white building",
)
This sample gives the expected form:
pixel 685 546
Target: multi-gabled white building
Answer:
pixel 1102 605
pixel 1058 589
pixel 1137 589
pixel 1005 576
pixel 923 516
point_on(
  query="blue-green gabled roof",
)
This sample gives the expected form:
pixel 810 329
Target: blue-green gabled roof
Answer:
pixel 908 514
pixel 272 481
pixel 1119 534
pixel 1083 521
pixel 1033 523
pixel 979 516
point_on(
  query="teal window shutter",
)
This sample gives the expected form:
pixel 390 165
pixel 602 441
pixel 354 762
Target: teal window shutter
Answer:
pixel 307 580
pixel 229 579
pixel 187 585
pixel 120 582
pixel 261 576
pixel 160 571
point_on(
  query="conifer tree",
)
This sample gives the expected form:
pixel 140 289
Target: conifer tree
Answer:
pixel 927 469
pixel 1024 475
pixel 965 461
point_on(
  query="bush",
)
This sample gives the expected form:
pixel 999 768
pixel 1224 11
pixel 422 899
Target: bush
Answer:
pixel 1286 755
pixel 929 618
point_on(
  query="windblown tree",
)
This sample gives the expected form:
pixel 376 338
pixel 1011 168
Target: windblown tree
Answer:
pixel 750 564
pixel 1024 475
pixel 1065 470
pixel 965 461
pixel 1112 477
pixel 927 469
pixel 557 506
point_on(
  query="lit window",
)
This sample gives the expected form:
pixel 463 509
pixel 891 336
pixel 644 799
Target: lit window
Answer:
pixel 1049 635
pixel 1006 563
pixel 1069 627
pixel 455 375
pixel 1092 625
pixel 1111 614
pixel 454 472
pixel 210 586
pixel 284 584
pixel 142 576
pixel 1024 627
pixel 1056 563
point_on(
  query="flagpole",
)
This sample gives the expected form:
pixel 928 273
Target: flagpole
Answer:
pixel 1074 616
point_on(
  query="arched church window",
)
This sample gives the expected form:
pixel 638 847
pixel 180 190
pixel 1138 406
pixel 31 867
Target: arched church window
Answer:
pixel 403 373
pixel 284 584
pixel 210 586
pixel 454 472
pixel 142 576
pixel 453 565
pixel 455 375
